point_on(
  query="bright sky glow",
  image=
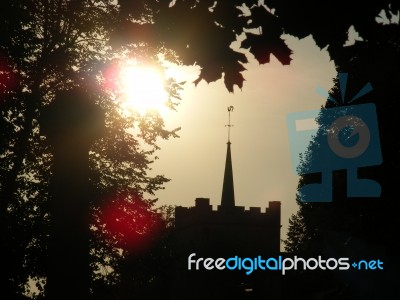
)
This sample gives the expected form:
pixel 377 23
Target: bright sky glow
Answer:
pixel 143 89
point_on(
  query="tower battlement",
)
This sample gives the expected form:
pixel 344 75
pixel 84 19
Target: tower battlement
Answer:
pixel 203 212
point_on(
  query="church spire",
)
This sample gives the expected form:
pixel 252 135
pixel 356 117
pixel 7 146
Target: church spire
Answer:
pixel 228 192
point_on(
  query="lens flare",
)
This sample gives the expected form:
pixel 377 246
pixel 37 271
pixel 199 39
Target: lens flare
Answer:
pixel 8 80
pixel 130 223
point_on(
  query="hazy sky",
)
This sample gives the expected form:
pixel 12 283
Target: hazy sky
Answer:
pixel 260 148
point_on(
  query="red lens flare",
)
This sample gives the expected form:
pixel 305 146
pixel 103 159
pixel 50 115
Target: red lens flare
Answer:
pixel 8 80
pixel 129 221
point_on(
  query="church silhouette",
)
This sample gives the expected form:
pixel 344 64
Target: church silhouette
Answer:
pixel 228 231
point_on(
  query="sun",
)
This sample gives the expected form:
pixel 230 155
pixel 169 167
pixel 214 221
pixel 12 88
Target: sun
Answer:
pixel 143 89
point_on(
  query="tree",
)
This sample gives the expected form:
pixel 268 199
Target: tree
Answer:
pixel 358 227
pixel 47 47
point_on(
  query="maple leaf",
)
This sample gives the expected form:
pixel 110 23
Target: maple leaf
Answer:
pixel 209 73
pixel 263 45
pixel 233 76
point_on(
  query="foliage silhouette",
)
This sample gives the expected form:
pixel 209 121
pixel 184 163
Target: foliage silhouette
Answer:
pixel 50 46
pixel 358 227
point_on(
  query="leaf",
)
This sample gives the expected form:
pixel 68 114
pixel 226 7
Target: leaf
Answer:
pixel 209 74
pixel 230 79
pixel 233 76
pixel 263 45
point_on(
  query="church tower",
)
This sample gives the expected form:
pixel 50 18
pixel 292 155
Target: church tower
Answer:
pixel 228 231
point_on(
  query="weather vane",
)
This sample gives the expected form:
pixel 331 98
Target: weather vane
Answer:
pixel 230 109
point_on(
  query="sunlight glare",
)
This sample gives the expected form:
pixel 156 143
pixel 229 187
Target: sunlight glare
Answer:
pixel 143 89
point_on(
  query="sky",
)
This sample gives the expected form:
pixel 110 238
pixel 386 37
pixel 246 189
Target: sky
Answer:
pixel 260 148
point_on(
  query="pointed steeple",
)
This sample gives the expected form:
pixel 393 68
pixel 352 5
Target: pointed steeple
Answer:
pixel 228 192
